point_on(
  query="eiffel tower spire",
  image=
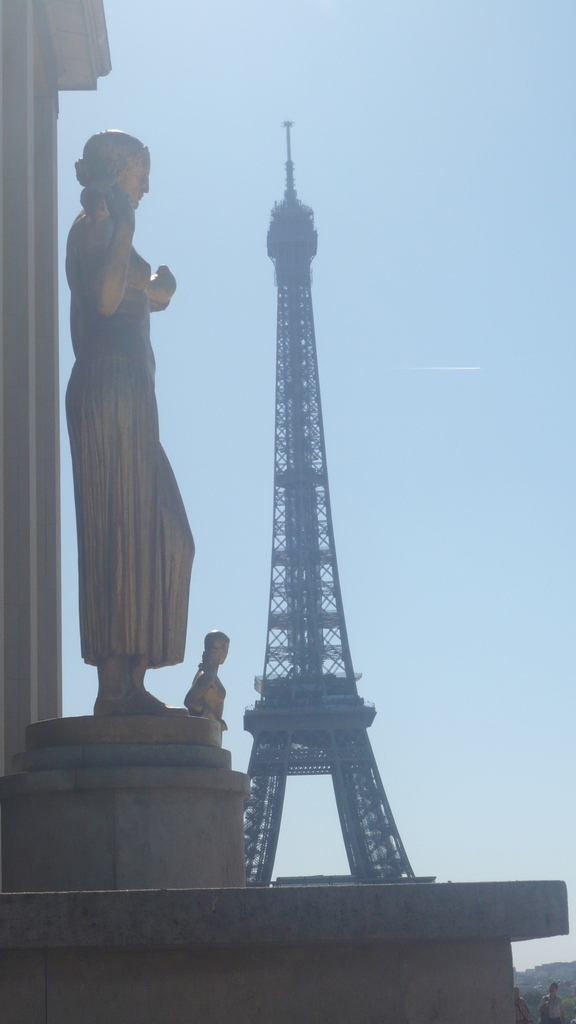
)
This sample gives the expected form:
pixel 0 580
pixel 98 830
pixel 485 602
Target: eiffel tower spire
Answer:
pixel 290 192
pixel 309 719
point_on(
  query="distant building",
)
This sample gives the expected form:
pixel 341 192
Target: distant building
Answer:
pixel 541 976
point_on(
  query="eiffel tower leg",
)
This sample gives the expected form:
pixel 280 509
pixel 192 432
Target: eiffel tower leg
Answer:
pixel 375 850
pixel 348 823
pixel 264 811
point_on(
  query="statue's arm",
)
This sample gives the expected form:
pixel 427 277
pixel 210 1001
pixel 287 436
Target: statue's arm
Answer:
pixel 103 252
pixel 195 698
pixel 74 280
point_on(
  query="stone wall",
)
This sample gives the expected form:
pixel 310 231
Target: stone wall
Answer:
pixel 387 954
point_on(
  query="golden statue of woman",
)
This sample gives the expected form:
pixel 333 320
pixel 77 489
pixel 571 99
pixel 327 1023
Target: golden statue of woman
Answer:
pixel 135 548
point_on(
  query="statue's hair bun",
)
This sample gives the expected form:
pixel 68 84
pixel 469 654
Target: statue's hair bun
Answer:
pixel 82 171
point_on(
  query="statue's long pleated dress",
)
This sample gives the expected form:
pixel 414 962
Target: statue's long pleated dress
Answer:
pixel 135 547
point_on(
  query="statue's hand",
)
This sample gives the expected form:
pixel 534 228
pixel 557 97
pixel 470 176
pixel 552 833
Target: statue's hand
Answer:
pixel 163 281
pixel 161 288
pixel 120 207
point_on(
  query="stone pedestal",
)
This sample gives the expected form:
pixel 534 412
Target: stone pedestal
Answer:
pixel 135 802
pixel 364 954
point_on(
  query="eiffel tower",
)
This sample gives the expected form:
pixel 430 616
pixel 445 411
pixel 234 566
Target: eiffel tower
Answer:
pixel 309 719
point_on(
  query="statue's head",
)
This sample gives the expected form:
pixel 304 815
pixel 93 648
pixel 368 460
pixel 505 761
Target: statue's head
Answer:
pixel 218 642
pixel 114 158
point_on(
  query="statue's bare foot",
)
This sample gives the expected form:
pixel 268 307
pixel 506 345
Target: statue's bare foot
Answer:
pixel 136 703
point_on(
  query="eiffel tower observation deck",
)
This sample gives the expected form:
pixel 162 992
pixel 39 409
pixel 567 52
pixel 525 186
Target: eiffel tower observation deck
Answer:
pixel 310 719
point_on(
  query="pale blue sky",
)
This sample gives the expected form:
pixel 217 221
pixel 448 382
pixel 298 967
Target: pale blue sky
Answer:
pixel 435 142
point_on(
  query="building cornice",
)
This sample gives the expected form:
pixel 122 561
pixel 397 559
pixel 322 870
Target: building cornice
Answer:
pixel 78 40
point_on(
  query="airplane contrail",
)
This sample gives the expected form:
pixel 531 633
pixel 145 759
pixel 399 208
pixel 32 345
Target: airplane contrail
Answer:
pixel 441 367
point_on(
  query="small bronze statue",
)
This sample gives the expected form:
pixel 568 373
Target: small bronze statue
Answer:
pixel 205 698
pixel 135 548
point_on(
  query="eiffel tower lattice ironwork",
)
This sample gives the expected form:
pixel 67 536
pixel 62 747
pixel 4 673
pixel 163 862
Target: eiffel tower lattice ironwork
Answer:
pixel 309 719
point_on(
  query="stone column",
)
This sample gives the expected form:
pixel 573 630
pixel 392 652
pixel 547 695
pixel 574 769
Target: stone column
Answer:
pixel 49 668
pixel 45 45
pixel 19 668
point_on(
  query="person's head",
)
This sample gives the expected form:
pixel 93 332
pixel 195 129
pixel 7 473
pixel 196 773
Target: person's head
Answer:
pixel 114 158
pixel 553 988
pixel 218 643
pixel 516 991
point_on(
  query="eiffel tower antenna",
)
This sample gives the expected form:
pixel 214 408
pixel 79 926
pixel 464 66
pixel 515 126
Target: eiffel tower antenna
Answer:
pixel 290 192
pixel 309 719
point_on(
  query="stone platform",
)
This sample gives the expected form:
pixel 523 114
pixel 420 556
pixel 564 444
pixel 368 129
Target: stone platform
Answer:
pixel 132 802
pixel 370 954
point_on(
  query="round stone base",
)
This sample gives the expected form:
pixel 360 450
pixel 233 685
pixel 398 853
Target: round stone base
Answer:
pixel 121 755
pixel 60 732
